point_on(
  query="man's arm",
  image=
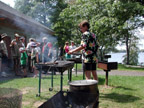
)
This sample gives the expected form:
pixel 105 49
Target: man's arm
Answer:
pixel 76 49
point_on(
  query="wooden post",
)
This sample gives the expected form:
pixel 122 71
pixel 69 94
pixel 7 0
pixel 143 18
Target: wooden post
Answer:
pixel 106 78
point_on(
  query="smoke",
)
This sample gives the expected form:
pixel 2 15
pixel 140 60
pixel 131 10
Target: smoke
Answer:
pixel 34 29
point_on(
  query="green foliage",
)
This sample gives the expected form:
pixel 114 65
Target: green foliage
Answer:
pixel 44 11
pixel 23 6
pixel 112 21
pixel 133 55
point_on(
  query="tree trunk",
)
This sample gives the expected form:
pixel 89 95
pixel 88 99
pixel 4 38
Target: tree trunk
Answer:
pixel 44 13
pixel 101 54
pixel 127 49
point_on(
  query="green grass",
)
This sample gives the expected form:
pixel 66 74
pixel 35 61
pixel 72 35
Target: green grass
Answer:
pixel 123 67
pixel 122 92
pixel 120 67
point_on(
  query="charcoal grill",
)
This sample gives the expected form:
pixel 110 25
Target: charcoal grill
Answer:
pixel 58 66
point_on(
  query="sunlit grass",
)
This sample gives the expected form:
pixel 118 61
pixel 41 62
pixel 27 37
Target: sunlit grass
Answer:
pixel 122 92
pixel 120 67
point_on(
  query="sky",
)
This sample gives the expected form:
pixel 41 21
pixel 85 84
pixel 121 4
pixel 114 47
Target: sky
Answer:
pixel 9 2
pixel 141 33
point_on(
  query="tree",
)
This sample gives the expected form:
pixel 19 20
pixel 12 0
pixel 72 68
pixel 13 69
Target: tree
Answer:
pixel 44 11
pixel 111 20
pixel 133 52
pixel 23 5
pixel 128 15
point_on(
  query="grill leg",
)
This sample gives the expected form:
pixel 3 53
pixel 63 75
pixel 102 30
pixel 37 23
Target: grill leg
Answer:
pixel 52 78
pixel 76 69
pixel 39 90
pixel 106 78
pixel 61 85
pixel 70 75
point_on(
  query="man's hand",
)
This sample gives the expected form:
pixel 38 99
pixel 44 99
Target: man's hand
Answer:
pixel 70 52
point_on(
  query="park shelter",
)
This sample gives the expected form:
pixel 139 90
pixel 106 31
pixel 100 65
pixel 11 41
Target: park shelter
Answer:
pixel 12 21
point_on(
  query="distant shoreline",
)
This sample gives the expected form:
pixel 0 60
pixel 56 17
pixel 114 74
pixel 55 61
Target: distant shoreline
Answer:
pixel 124 51
pixel 118 57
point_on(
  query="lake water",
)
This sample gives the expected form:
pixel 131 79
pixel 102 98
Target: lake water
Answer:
pixel 118 57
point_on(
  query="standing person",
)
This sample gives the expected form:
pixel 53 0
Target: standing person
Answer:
pixel 45 50
pixel 34 58
pixel 3 54
pixel 89 45
pixel 15 56
pixel 28 49
pixel 23 60
pixel 50 54
pixel 66 49
pixel 39 51
pixel 17 45
pixel 72 47
pixel 22 39
pixel 61 53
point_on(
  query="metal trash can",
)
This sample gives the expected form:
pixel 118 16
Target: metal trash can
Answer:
pixel 85 93
pixel 82 94
pixel 10 98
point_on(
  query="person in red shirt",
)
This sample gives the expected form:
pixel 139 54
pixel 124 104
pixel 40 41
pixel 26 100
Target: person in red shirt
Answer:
pixel 46 50
pixel 66 48
pixel 50 50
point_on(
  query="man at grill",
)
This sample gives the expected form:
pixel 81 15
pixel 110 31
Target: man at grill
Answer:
pixel 89 45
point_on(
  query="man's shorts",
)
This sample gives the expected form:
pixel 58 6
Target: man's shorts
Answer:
pixel 89 66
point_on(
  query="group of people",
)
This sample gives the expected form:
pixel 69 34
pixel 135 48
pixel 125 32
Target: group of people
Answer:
pixel 33 52
pixel 25 56
pixel 67 48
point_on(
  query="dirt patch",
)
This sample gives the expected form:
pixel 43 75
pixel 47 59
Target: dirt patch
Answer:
pixel 37 104
pixel 66 87
pixel 105 89
pixel 27 90
pixel 25 103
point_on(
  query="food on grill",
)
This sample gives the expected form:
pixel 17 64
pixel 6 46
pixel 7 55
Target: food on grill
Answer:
pixel 51 62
